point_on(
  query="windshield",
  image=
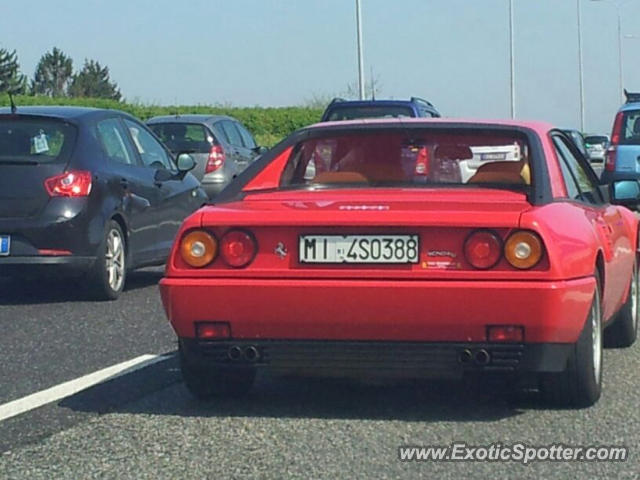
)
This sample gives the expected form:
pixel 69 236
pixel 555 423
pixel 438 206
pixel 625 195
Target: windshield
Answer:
pixel 423 158
pixel 184 137
pixel 380 111
pixel 36 141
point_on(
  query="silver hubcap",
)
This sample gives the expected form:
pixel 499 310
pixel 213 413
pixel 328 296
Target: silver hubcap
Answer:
pixel 115 260
pixel 596 337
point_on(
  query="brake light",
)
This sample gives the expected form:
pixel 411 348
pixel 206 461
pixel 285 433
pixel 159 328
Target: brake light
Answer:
pixel 76 183
pixel 610 157
pixel 238 248
pixel 483 249
pixel 216 159
pixel 422 162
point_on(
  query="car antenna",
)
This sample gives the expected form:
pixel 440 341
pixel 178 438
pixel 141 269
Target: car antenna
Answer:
pixel 14 109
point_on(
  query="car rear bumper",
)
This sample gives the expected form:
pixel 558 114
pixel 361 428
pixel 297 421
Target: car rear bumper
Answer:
pixel 377 359
pixel 21 266
pixel 375 310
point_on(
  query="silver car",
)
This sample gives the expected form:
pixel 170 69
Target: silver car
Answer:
pixel 221 146
pixel 596 147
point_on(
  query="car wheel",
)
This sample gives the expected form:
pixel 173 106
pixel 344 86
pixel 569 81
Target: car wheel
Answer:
pixel 206 384
pixel 110 269
pixel 624 329
pixel 580 384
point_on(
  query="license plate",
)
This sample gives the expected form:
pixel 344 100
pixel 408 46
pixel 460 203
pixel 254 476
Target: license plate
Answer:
pixel 358 249
pixel 5 243
pixel 497 156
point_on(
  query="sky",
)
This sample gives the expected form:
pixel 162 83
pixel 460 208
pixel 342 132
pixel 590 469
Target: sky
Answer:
pixel 454 53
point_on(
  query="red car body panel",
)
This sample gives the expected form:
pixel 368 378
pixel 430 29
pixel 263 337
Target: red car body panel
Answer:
pixel 441 298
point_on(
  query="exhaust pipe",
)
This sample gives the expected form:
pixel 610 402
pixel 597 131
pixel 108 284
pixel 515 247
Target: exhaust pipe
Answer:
pixel 482 357
pixel 465 356
pixel 234 353
pixel 251 354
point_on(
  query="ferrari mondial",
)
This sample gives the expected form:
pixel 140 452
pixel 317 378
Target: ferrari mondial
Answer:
pixel 409 248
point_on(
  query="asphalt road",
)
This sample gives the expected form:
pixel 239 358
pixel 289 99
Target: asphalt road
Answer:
pixel 145 425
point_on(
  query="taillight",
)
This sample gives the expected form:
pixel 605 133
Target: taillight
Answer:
pixel 523 249
pixel 422 162
pixel 198 248
pixel 610 157
pixel 216 159
pixel 76 183
pixel 213 330
pixel 238 248
pixel 483 249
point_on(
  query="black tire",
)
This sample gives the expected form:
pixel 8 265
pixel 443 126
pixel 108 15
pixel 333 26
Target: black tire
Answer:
pixel 580 384
pixel 205 384
pixel 623 331
pixel 102 284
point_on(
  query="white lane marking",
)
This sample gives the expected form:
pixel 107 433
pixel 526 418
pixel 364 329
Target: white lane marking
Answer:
pixel 66 389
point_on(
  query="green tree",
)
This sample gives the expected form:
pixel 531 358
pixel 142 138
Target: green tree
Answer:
pixel 53 74
pixel 93 81
pixel 11 80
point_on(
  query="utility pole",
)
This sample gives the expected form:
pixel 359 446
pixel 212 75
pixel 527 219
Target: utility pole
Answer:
pixel 360 60
pixel 512 61
pixel 580 66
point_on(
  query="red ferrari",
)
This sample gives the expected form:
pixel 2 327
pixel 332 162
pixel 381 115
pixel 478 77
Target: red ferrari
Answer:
pixel 409 248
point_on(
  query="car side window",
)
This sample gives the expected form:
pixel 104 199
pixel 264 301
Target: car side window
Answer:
pixel 113 140
pixel 232 133
pixel 151 151
pixel 220 133
pixel 570 165
pixel 247 139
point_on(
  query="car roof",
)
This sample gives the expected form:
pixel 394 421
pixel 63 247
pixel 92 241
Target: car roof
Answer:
pixel 191 118
pixel 630 106
pixel 56 111
pixel 540 127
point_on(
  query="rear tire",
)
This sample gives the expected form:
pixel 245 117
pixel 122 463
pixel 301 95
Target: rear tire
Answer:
pixel 205 384
pixel 624 330
pixel 110 269
pixel 580 384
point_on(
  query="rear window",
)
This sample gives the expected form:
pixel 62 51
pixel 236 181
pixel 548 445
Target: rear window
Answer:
pixel 419 158
pixel 631 128
pixel 184 137
pixel 35 140
pixel 596 140
pixel 352 113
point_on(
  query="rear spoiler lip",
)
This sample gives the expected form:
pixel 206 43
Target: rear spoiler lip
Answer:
pixel 632 97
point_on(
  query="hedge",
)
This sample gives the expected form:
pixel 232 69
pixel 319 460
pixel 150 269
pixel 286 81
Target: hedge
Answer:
pixel 268 124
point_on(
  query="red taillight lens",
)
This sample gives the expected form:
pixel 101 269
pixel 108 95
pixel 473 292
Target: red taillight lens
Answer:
pixel 617 128
pixel 69 184
pixel 216 159
pixel 610 159
pixel 505 333
pixel 483 249
pixel 238 248
pixel 212 330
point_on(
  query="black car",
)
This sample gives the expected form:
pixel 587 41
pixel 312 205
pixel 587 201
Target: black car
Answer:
pixel 88 191
pixel 221 146
pixel 341 109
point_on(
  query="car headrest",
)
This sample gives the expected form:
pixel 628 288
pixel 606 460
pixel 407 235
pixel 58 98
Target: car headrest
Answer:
pixel 517 173
pixel 636 127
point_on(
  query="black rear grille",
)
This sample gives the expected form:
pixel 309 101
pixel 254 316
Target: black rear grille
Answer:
pixel 415 359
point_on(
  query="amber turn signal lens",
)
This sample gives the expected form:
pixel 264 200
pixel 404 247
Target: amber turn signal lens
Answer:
pixel 523 250
pixel 198 248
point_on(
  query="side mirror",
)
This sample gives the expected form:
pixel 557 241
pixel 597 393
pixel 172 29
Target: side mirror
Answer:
pixel 185 163
pixel 260 150
pixel 626 192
